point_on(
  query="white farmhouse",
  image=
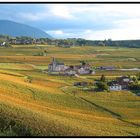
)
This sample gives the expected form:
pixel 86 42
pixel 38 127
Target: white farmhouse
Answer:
pixel 114 85
pixel 121 83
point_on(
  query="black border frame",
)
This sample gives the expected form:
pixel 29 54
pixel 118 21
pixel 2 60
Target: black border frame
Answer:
pixel 70 2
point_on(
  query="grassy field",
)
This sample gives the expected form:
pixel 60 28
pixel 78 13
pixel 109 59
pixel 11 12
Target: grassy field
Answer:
pixel 51 106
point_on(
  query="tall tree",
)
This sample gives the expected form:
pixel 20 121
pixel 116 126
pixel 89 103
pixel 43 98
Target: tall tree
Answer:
pixel 103 78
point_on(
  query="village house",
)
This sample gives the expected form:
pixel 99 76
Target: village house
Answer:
pixel 2 44
pixel 124 81
pixel 120 83
pixel 114 85
pixel 21 41
pixel 83 69
pixel 70 71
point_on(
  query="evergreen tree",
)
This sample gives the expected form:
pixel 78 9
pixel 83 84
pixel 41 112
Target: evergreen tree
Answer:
pixel 101 86
pixel 103 79
pixel 138 76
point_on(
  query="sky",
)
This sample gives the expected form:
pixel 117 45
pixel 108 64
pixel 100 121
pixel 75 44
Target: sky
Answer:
pixel 88 21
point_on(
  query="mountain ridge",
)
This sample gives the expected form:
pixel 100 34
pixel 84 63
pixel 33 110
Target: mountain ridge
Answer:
pixel 12 28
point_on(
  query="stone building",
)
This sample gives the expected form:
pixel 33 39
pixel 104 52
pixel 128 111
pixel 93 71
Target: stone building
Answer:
pixel 56 66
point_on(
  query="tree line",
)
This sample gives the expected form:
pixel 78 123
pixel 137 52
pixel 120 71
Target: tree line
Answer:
pixel 69 42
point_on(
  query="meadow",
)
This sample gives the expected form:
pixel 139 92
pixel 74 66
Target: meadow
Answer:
pixel 50 105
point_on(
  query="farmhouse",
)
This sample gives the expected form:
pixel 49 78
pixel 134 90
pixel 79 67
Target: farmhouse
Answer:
pixel 2 44
pixel 114 85
pixel 125 79
pixel 120 83
pixel 83 69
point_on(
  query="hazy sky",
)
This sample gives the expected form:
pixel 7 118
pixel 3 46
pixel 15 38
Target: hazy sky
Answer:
pixel 89 21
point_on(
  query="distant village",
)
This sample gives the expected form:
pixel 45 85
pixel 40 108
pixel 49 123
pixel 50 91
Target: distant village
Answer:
pixel 120 83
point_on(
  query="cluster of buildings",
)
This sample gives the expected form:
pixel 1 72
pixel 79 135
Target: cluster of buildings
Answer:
pixel 82 69
pixel 21 41
pixel 120 83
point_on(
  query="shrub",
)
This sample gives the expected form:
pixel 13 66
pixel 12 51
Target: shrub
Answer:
pixel 134 86
pixel 39 54
pixel 101 86
pixel 28 79
pixel 138 76
pixel 8 45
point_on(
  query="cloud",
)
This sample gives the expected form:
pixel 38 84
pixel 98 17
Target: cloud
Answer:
pixel 105 21
pixel 31 16
pixel 56 32
pixel 115 34
pixel 127 29
pixel 61 11
pixel 59 34
pixel 90 21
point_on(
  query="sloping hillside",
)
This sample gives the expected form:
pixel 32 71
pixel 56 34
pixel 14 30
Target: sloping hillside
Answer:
pixel 47 106
pixel 17 29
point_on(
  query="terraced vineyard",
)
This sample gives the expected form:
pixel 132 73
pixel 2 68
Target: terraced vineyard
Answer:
pixel 50 105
